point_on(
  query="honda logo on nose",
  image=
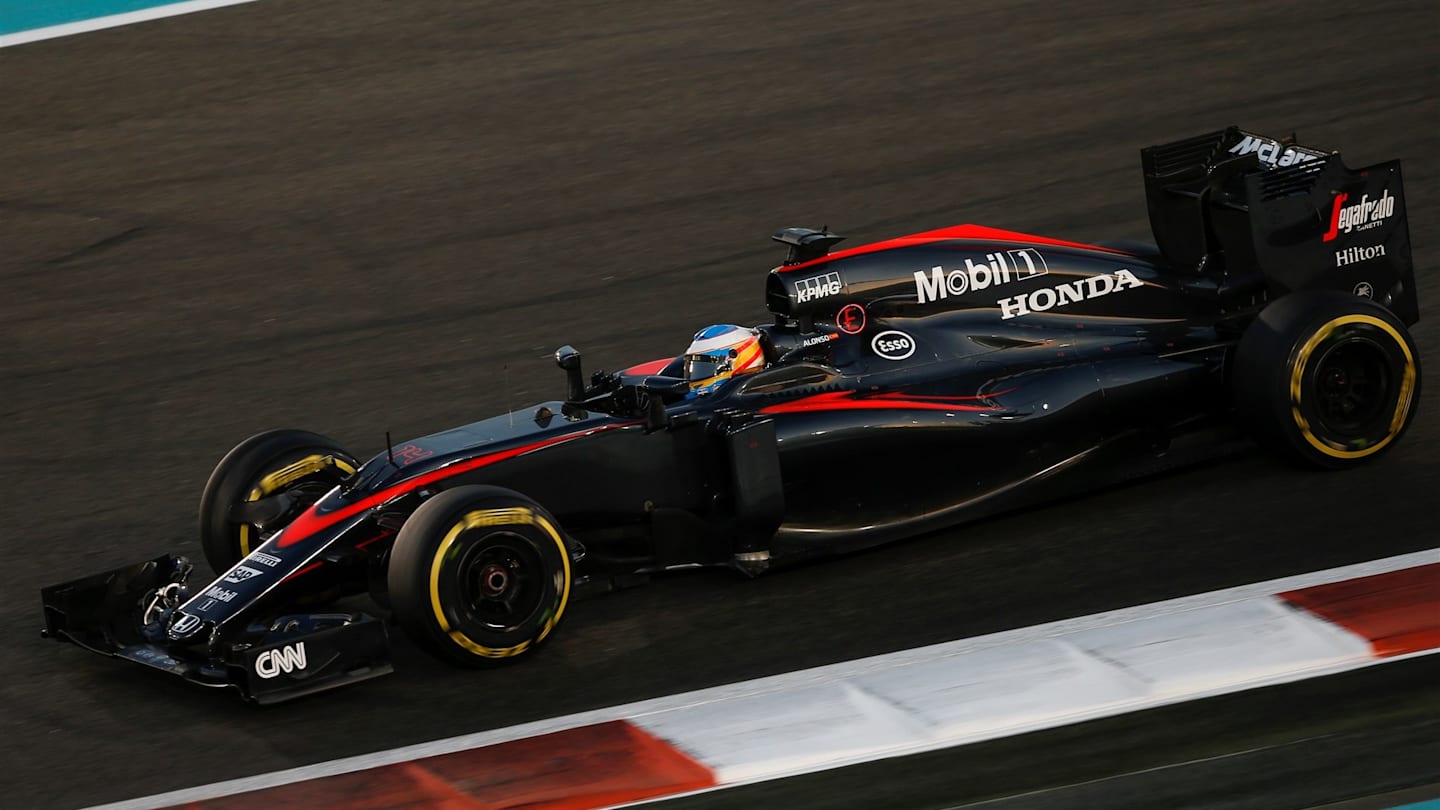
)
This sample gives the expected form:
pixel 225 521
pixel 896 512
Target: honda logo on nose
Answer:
pixel 184 626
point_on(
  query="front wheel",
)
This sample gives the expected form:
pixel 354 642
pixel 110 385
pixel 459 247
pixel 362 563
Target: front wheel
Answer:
pixel 262 485
pixel 479 575
pixel 1327 379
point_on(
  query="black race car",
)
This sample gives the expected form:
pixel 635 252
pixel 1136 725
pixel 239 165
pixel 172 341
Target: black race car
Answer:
pixel 906 385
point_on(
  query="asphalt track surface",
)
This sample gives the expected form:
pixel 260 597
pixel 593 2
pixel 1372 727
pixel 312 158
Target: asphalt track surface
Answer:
pixel 353 216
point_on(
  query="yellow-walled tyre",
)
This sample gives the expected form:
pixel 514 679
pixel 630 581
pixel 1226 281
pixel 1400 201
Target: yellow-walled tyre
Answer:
pixel 263 484
pixel 479 575
pixel 1327 379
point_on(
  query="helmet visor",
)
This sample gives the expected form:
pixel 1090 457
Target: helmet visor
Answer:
pixel 704 366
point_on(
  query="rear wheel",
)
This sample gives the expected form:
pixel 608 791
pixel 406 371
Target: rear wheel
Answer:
pixel 262 485
pixel 479 575
pixel 1327 379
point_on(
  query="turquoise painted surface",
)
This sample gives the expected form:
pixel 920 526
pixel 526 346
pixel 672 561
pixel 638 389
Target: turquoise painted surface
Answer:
pixel 1433 804
pixel 24 15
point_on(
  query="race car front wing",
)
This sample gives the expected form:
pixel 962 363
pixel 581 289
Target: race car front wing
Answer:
pixel 121 613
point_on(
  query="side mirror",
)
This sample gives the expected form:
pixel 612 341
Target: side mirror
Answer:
pixel 659 390
pixel 568 358
pixel 666 387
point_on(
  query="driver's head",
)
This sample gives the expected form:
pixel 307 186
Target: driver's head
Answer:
pixel 720 352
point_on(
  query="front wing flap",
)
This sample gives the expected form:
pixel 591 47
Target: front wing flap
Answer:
pixel 113 613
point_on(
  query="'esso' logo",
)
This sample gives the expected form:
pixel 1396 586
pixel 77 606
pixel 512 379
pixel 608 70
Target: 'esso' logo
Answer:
pixel 893 345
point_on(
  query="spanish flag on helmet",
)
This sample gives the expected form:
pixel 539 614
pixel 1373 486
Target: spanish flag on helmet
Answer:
pixel 720 352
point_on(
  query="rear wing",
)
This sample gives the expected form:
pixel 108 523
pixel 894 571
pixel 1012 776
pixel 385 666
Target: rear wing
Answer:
pixel 1256 211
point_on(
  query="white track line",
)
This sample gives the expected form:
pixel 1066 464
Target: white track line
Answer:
pixel 114 20
pixel 819 675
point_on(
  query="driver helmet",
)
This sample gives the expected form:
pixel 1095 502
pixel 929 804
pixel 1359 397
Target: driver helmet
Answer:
pixel 720 352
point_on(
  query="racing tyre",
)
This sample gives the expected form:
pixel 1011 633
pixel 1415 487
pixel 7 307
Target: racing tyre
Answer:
pixel 479 575
pixel 262 485
pixel 1327 379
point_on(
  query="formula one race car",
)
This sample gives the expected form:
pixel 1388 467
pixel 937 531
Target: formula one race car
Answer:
pixel 903 386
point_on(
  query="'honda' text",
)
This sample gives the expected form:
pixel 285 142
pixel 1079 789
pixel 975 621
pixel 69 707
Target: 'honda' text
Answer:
pixel 1076 291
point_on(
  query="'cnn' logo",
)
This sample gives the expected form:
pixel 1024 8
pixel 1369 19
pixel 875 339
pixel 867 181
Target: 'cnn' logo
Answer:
pixel 287 659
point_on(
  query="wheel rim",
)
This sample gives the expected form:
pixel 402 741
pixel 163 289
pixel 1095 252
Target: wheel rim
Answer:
pixel 499 582
pixel 1352 344
pixel 1352 388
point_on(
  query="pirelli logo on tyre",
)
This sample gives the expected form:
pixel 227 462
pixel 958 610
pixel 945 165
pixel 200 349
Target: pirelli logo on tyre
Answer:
pixel 449 550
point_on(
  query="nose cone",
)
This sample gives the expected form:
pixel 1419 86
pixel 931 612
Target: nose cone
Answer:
pixel 183 626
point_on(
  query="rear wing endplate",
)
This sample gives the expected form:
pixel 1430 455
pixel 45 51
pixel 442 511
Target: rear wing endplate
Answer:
pixel 1254 209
